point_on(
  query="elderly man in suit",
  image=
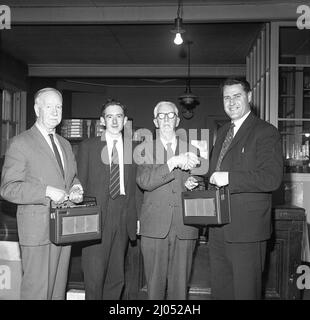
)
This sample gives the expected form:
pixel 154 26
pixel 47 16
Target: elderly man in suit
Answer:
pixel 107 171
pixel 246 157
pixel 167 244
pixel 39 167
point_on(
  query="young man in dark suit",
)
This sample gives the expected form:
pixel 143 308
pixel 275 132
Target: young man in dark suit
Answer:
pixel 246 157
pixel 107 172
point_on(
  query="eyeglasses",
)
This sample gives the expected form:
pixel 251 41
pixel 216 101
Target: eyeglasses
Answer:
pixel 162 116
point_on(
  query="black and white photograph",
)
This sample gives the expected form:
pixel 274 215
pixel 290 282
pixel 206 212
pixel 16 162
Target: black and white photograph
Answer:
pixel 154 154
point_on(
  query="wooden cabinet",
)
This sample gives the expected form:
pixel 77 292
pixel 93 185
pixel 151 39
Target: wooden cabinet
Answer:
pixel 278 70
pixel 284 253
pixel 289 95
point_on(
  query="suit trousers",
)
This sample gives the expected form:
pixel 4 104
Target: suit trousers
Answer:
pixel 104 262
pixel 45 272
pixel 167 265
pixel 236 268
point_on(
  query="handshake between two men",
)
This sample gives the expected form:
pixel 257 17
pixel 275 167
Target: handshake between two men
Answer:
pixel 185 161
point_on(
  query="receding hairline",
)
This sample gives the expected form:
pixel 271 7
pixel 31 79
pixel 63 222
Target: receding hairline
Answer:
pixel 159 104
pixel 43 91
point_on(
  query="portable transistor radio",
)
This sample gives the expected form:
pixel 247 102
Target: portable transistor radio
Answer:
pixel 71 222
pixel 206 207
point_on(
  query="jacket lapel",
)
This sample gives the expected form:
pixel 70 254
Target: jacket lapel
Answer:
pixel 126 166
pixel 65 157
pixel 103 151
pixel 218 145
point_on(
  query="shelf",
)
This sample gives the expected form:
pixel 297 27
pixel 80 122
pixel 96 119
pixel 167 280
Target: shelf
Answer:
pixel 294 119
pixel 294 65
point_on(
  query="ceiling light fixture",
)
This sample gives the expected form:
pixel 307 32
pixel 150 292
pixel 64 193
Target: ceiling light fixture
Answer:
pixel 178 30
pixel 188 100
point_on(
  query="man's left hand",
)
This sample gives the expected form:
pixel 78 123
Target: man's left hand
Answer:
pixel 219 178
pixel 76 193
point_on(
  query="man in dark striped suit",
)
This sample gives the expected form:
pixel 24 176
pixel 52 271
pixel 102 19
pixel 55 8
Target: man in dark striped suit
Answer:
pixel 107 171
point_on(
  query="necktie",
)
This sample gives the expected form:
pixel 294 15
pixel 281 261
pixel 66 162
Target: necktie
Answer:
pixel 225 146
pixel 57 155
pixel 114 173
pixel 169 150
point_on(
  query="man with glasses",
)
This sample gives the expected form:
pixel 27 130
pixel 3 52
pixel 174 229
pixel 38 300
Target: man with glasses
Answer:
pixel 167 244
pixel 106 171
pixel 247 157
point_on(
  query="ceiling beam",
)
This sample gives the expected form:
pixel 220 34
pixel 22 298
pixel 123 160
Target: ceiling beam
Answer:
pixel 157 71
pixel 199 13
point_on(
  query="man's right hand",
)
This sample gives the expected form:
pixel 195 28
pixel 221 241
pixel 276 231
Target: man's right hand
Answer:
pixel 56 195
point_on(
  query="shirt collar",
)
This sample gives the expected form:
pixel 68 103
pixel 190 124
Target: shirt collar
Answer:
pixel 111 138
pixel 43 130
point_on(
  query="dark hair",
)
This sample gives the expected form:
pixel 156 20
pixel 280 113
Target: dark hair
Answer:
pixel 232 81
pixel 112 102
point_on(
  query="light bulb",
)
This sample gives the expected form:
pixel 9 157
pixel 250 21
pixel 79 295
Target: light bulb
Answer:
pixel 178 39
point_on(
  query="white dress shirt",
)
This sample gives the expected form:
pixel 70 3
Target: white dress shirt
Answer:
pixel 173 143
pixel 120 150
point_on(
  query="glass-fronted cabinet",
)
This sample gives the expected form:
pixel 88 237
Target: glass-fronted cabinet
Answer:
pixel 290 111
pixel 294 97
pixel 294 117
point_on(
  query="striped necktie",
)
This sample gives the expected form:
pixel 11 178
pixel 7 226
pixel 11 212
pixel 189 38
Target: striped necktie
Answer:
pixel 114 173
pixel 225 146
pixel 57 155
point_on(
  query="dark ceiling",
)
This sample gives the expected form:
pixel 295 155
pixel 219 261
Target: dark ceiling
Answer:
pixel 225 43
pixel 136 33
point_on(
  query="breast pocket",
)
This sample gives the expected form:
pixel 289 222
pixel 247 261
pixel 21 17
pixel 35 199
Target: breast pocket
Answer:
pixel 240 158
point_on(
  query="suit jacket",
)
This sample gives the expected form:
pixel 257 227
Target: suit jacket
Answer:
pixel 255 165
pixel 94 176
pixel 162 195
pixel 29 167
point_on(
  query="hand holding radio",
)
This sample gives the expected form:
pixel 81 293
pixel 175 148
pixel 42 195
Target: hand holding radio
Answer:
pixel 219 178
pixel 76 193
pixel 56 195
